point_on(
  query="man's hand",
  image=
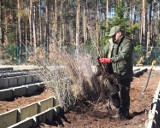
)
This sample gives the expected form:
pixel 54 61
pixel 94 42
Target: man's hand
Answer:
pixel 98 58
pixel 105 60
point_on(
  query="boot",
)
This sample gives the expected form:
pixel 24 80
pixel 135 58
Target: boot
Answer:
pixel 125 115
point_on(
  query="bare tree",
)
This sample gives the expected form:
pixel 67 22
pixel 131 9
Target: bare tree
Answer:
pixel 62 26
pixel 47 30
pixel 40 23
pixel 107 11
pixel 77 25
pixel 34 31
pixel 143 23
pixel 84 22
pixel 67 33
pixel 30 23
pixel 55 17
pixel 2 22
pixel 97 23
pixel 19 31
pixel 149 28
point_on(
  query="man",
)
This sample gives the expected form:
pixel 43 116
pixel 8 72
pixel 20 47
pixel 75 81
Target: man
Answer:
pixel 118 54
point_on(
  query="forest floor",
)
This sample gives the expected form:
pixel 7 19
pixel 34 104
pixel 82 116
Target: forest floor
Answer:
pixel 99 117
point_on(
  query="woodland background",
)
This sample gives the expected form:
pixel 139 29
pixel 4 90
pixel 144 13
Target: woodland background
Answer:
pixel 31 28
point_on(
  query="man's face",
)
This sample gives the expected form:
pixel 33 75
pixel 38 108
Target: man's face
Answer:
pixel 116 36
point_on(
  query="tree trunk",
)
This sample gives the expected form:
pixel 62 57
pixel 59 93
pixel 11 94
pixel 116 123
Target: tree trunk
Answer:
pixel 19 32
pixel 107 13
pixel 77 25
pixel 26 40
pixel 2 22
pixel 135 36
pixel 62 21
pixel 30 23
pixel 158 33
pixel 131 12
pixel 40 24
pixel 67 33
pixel 62 24
pixel 55 13
pixel 134 12
pixel 84 22
pixel 149 29
pixel 34 31
pixel 97 24
pixel 72 26
pixel 143 35
pixel 47 30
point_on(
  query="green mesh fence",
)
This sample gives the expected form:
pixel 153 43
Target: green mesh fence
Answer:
pixel 149 56
pixel 92 53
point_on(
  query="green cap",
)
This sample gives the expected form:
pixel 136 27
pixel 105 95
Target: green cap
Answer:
pixel 114 30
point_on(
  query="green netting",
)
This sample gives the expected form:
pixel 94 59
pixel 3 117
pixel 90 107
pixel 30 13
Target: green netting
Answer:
pixel 92 53
pixel 152 54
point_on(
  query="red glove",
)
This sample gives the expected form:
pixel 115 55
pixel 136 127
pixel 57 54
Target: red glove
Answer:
pixel 105 60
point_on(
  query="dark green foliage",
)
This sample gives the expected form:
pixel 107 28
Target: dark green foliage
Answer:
pixel 120 10
pixel 120 20
pixel 149 1
pixel 138 52
pixel 89 48
pixel 138 48
pixel 11 50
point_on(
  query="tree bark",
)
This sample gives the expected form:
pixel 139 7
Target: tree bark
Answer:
pixel 62 24
pixel 34 31
pixel 40 23
pixel 149 29
pixel 47 30
pixel 107 13
pixel 26 40
pixel 84 22
pixel 77 26
pixel 97 24
pixel 2 22
pixel 67 33
pixel 143 35
pixel 30 23
pixel 55 17
pixel 19 32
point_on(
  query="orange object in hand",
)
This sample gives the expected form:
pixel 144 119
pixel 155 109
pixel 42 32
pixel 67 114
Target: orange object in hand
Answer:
pixel 105 60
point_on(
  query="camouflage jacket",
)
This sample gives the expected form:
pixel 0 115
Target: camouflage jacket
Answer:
pixel 122 57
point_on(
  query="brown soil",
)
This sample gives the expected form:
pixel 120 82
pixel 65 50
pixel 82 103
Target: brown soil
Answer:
pixel 98 116
pixel 23 101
